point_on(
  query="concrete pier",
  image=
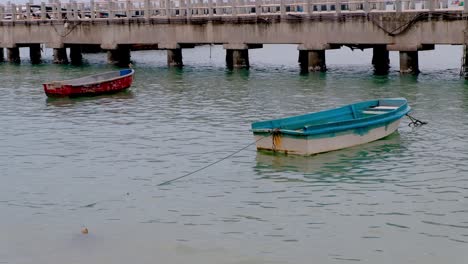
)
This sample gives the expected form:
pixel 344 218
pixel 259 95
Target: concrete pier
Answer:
pixel 381 60
pixel 174 58
pixel 119 56
pixel 409 62
pixel 14 55
pixel 76 56
pixel 60 56
pixel 312 61
pixel 315 27
pixel 35 53
pixel 237 58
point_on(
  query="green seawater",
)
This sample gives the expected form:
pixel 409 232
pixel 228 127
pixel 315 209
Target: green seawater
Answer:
pixel 96 162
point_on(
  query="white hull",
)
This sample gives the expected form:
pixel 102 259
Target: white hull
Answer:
pixel 313 146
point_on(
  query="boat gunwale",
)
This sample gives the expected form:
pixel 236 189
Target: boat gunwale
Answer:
pixel 342 125
pixel 64 82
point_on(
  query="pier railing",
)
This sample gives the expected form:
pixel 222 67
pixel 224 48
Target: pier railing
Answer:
pixel 125 9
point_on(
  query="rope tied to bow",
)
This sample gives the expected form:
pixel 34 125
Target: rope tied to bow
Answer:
pixel 415 122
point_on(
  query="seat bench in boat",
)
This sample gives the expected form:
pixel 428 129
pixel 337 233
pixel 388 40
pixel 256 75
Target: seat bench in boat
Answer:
pixel 377 110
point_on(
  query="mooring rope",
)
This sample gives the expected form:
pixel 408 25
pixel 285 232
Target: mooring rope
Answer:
pixel 415 122
pixel 211 164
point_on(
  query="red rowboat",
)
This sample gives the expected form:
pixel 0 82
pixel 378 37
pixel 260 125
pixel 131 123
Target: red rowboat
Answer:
pixel 108 82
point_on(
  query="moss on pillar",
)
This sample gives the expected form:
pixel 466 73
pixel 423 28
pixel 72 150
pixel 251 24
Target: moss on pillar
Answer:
pixel 312 61
pixel 14 55
pixel 60 56
pixel 409 62
pixel 237 59
pixel 381 60
pixel 174 58
pixel 35 53
pixel 120 56
pixel 76 56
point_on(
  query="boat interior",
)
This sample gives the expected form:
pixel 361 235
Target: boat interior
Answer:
pixel 316 120
pixel 97 78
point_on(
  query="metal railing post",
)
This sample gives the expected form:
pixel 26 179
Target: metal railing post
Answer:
pixel 58 10
pixel 189 8
pixel 168 8
pixel 431 5
pixel 75 10
pixel 337 7
pixel 110 9
pixel 210 8
pixel 43 11
pixel 82 10
pixel 398 6
pixel 13 12
pixel 92 9
pixel 128 10
pixel 282 8
pixel 69 11
pixel 366 6
pixel 147 9
pixel 234 7
pixel 258 7
pixel 28 11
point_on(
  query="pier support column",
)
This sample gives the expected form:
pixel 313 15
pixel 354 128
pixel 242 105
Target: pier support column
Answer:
pixel 76 56
pixel 35 53
pixel 14 55
pixel 60 56
pixel 119 56
pixel 237 58
pixel 409 62
pixel 381 60
pixel 312 60
pixel 237 54
pixel 174 58
pixel 464 69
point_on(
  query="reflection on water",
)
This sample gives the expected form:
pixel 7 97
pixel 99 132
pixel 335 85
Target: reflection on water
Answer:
pixel 69 101
pixel 330 166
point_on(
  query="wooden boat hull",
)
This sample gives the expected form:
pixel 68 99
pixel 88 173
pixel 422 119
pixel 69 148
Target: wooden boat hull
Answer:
pixel 93 85
pixel 311 145
pixel 354 128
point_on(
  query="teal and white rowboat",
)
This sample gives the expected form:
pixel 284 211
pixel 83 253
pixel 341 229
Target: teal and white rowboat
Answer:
pixel 333 129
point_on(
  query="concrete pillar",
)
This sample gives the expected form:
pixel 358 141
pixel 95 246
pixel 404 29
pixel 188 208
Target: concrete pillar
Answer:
pixel 312 60
pixel 464 70
pixel 14 55
pixel 120 56
pixel 76 56
pixel 237 59
pixel 35 53
pixel 409 62
pixel 60 56
pixel 381 60
pixel 174 58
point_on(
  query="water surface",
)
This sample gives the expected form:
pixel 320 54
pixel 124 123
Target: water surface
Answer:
pixel 97 162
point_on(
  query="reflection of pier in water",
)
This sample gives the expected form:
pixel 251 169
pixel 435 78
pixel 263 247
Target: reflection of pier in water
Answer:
pixel 334 166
